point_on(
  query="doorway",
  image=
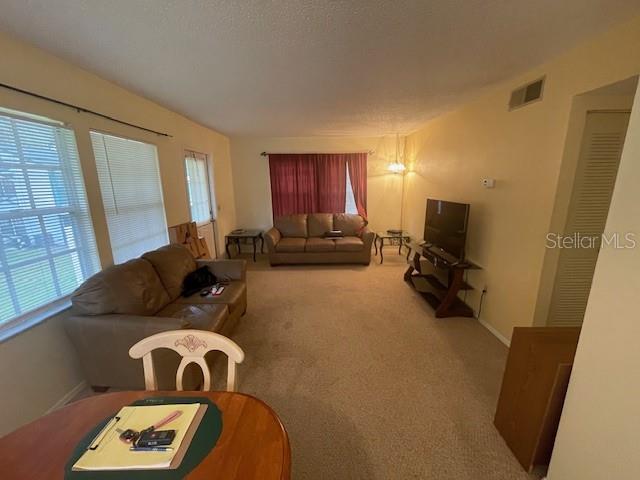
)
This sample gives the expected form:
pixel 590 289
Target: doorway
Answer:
pixel 602 143
pixel 577 240
pixel 201 197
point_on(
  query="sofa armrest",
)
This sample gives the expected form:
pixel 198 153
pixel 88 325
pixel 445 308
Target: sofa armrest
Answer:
pixel 272 237
pixel 101 331
pixel 102 343
pixel 226 269
pixel 367 237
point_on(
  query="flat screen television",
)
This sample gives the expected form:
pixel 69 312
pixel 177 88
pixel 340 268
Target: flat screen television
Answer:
pixel 445 226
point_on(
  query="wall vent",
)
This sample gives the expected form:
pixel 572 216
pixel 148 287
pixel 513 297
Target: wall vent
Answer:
pixel 527 94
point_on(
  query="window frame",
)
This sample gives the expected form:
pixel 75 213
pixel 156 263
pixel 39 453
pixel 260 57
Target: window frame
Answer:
pixel 145 141
pixel 35 317
pixel 83 234
pixel 210 196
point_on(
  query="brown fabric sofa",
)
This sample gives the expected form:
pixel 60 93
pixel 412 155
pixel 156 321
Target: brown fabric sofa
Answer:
pixel 125 303
pixel 297 239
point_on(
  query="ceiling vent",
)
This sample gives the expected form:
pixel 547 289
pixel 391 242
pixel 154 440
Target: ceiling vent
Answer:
pixel 528 94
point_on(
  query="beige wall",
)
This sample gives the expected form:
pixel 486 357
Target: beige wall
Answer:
pixel 523 151
pixel 599 431
pixel 251 175
pixel 47 362
pixel 38 370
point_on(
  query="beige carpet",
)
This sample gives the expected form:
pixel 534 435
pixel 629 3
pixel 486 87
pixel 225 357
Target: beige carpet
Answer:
pixel 367 382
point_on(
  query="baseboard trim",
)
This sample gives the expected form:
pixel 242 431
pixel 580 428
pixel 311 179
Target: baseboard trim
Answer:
pixel 495 332
pixel 68 396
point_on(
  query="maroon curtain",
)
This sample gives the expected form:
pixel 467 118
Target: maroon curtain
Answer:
pixel 316 183
pixel 357 164
pixel 293 184
pixel 331 172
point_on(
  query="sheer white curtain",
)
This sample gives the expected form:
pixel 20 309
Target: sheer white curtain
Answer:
pixel 132 195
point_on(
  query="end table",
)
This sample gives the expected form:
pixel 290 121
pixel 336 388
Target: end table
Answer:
pixel 241 234
pixel 399 238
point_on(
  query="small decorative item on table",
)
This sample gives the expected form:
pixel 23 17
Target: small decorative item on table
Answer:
pixel 393 237
pixel 244 235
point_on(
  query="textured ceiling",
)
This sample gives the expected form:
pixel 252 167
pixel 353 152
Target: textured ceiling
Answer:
pixel 309 67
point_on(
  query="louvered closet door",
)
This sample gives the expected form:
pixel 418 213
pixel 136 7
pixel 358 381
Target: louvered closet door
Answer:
pixel 600 153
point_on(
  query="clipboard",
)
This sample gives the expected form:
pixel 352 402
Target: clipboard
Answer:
pixel 102 454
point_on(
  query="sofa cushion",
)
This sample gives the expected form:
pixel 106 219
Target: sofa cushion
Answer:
pixel 210 317
pixel 173 263
pixel 319 223
pixel 132 288
pixel 291 245
pixel 320 245
pixel 292 225
pixel 349 244
pixel 350 224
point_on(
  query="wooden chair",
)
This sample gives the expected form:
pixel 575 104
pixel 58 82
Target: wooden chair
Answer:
pixel 192 345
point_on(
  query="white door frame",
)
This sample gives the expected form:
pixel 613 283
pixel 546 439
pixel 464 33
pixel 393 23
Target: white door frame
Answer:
pixel 210 191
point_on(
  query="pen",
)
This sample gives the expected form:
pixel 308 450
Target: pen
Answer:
pixel 151 449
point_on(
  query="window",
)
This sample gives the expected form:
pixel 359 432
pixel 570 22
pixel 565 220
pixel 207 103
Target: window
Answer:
pixel 318 183
pixel 350 203
pixel 47 245
pixel 132 196
pixel 198 187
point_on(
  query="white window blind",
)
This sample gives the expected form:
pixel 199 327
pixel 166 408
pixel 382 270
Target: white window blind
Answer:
pixel 47 242
pixel 198 187
pixel 132 195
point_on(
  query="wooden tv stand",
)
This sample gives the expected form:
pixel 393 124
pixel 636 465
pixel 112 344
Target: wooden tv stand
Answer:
pixel 443 298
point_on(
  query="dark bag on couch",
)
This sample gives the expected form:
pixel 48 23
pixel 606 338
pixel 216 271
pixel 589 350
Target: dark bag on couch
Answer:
pixel 197 280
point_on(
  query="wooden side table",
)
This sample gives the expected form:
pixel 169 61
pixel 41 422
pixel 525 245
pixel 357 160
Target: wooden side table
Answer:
pixel 400 239
pixel 244 235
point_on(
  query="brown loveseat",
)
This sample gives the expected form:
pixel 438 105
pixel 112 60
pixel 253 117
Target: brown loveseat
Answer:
pixel 301 239
pixel 125 303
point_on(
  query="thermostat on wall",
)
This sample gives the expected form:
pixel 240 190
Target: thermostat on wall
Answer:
pixel 488 182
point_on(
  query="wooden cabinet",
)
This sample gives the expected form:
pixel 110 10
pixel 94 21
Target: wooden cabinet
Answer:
pixel 533 390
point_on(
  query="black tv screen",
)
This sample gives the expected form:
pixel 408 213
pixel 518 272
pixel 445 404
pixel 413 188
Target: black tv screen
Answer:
pixel 445 226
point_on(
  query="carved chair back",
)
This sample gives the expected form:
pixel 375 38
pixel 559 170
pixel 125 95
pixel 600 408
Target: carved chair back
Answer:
pixel 193 345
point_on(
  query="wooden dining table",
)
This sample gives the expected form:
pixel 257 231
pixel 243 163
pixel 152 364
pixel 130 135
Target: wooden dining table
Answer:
pixel 253 444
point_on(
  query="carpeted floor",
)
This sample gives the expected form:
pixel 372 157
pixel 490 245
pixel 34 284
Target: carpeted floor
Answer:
pixel 369 384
